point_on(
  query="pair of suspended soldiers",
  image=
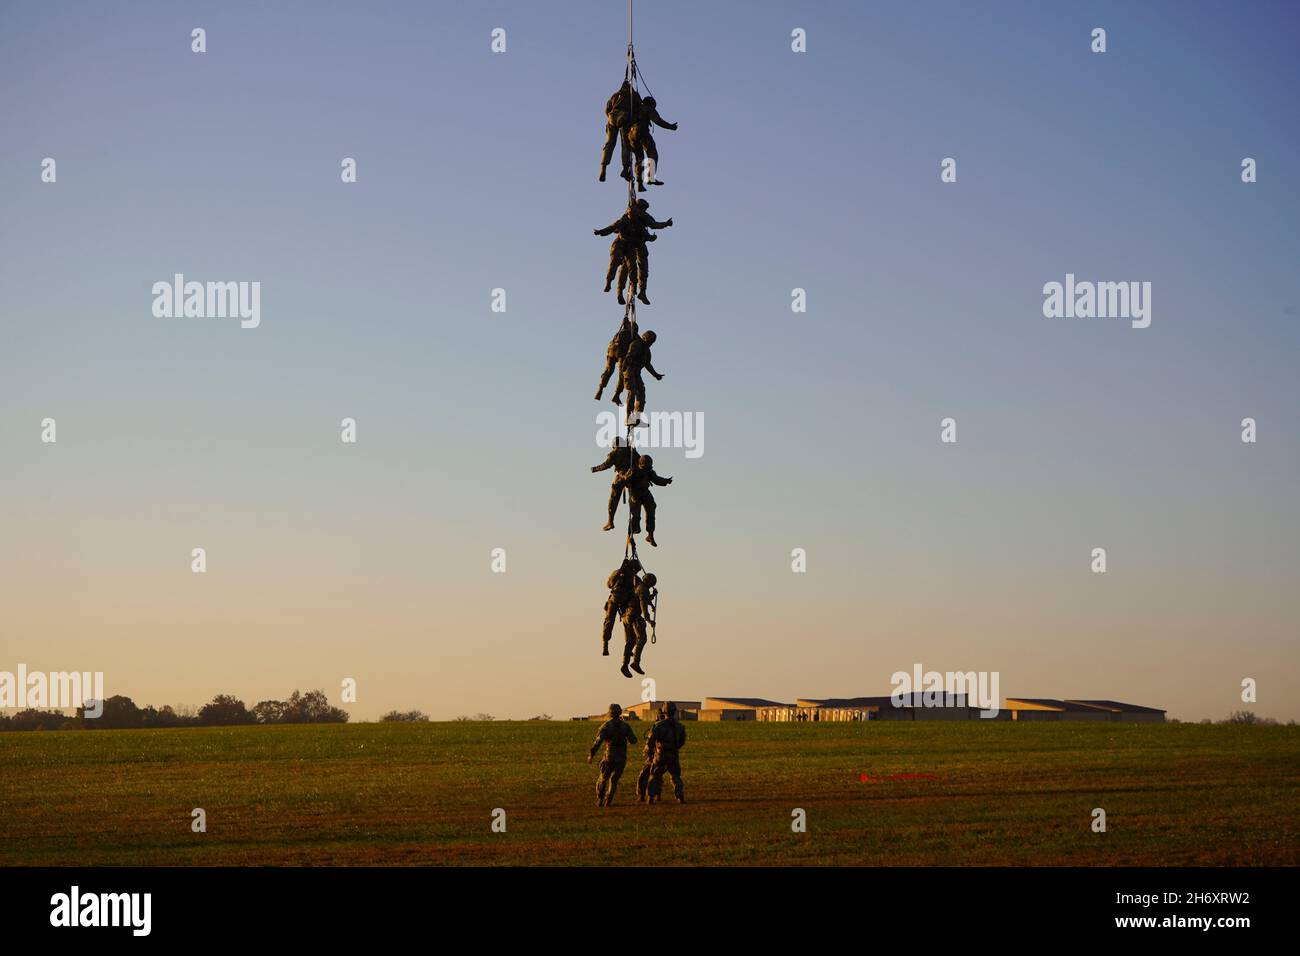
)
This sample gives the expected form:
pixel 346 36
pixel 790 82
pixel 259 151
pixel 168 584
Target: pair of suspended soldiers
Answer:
pixel 635 474
pixel 663 745
pixel 629 259
pixel 630 120
pixel 629 353
pixel 632 598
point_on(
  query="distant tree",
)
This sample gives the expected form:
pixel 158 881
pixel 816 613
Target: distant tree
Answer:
pixel 482 716
pixel 269 711
pixel 119 713
pixel 32 719
pixel 167 717
pixel 541 717
pixel 312 707
pixel 1242 717
pixel 462 718
pixel 404 716
pixel 225 710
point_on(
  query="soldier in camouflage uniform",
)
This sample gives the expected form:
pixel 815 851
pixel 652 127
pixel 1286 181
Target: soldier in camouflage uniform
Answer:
pixel 619 111
pixel 616 349
pixel 643 781
pixel 627 234
pixel 622 593
pixel 634 267
pixel 615 735
pixel 644 594
pixel 636 360
pixel 639 496
pixel 633 628
pixel 669 738
pixel 641 140
pixel 622 458
pixel 639 213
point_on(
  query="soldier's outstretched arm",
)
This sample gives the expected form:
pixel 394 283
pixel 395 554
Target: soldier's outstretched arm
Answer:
pixel 654 477
pixel 608 229
pixel 660 121
pixel 654 223
pixel 607 463
pixel 651 369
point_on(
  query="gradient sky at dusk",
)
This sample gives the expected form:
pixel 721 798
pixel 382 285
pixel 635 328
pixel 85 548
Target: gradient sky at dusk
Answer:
pixel 476 429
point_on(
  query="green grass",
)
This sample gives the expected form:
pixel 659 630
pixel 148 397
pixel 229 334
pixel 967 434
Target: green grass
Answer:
pixel 1007 794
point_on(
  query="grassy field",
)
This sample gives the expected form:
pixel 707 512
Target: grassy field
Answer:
pixel 424 794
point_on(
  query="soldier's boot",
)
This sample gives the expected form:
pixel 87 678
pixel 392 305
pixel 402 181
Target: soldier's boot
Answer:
pixel 601 177
pixel 621 300
pixel 640 295
pixel 604 648
pixel 609 525
pixel 636 656
pixel 626 657
pixel 650 539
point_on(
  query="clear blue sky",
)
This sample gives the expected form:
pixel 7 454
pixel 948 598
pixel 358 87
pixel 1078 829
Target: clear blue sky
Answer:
pixel 818 171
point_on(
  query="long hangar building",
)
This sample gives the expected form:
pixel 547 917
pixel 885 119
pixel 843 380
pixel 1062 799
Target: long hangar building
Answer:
pixel 946 707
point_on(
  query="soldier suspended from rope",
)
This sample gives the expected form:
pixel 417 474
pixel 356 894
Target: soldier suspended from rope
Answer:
pixel 622 458
pixel 631 233
pixel 640 498
pixel 636 360
pixel 641 142
pixel 621 109
pixel 633 599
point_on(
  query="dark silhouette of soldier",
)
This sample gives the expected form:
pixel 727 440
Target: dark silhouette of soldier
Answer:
pixel 643 781
pixel 639 211
pixel 622 593
pixel 626 234
pixel 645 595
pixel 622 458
pixel 615 735
pixel 630 237
pixel 637 359
pixel 639 497
pixel 615 351
pixel 641 140
pixel 619 111
pixel 669 738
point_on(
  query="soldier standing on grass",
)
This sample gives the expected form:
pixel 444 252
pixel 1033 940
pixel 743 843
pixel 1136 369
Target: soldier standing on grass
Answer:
pixel 643 781
pixel 669 737
pixel 615 735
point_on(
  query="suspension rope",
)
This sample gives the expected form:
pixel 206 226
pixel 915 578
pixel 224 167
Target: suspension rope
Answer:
pixel 629 311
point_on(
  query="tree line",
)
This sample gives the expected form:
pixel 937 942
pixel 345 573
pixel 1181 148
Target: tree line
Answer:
pixel 224 710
